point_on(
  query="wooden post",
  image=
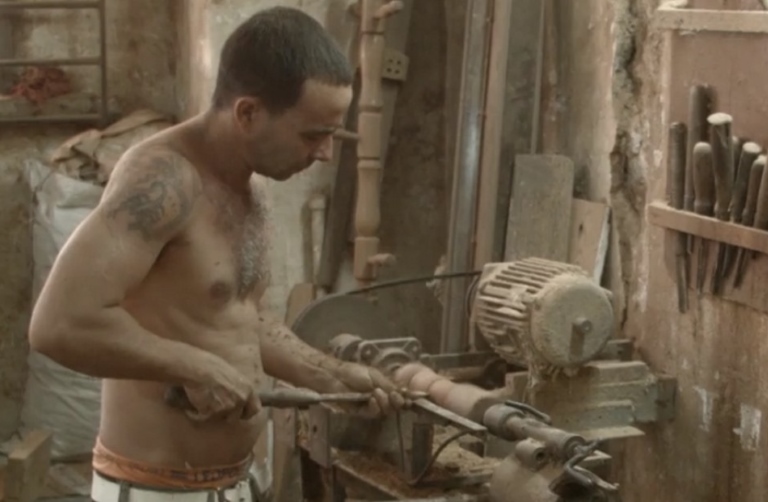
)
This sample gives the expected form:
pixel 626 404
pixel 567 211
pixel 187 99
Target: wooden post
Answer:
pixel 369 145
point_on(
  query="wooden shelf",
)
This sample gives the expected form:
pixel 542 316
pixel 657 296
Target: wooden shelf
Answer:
pixel 661 215
pixel 99 61
pixel 728 21
pixel 16 5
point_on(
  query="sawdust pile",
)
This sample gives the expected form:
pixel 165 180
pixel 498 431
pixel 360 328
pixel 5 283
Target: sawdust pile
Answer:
pixel 38 84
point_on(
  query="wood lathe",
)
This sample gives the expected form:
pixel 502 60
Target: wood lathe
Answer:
pixel 523 422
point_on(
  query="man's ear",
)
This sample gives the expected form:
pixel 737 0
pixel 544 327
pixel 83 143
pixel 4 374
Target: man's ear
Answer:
pixel 246 112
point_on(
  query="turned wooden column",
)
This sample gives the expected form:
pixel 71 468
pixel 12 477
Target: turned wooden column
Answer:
pixel 373 14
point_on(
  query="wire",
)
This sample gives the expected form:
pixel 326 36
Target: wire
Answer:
pixel 423 473
pixel 411 280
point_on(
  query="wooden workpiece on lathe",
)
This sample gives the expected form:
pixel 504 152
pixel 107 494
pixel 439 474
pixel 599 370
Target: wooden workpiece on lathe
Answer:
pixel 369 147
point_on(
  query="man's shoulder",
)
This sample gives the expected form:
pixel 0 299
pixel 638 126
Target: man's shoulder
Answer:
pixel 155 163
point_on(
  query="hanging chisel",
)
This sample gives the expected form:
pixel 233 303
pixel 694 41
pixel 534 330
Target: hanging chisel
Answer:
pixel 737 144
pixel 699 108
pixel 676 177
pixel 722 164
pixel 760 203
pixel 749 153
pixel 704 201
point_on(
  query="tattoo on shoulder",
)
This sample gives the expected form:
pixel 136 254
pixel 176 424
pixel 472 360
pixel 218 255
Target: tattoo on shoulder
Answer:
pixel 156 198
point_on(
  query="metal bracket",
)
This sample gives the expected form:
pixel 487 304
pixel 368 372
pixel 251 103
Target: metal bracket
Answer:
pixel 319 435
pixel 395 65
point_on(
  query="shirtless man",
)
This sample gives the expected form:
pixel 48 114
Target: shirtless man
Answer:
pixel 161 284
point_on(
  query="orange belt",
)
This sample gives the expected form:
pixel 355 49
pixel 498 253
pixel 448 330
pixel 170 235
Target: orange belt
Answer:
pixel 122 469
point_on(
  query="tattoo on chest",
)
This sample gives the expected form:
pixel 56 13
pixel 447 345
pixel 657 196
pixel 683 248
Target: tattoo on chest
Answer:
pixel 246 226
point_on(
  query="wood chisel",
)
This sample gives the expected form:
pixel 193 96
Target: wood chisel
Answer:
pixel 760 215
pixel 749 153
pixel 736 147
pixel 286 398
pixel 722 164
pixel 676 177
pixel 699 108
pixel 704 202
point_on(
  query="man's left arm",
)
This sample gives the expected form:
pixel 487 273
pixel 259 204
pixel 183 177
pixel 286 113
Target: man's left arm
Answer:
pixel 288 358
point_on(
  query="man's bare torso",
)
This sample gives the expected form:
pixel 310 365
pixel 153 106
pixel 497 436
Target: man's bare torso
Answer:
pixel 204 290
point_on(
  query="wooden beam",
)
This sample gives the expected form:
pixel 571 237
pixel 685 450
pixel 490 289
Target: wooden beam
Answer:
pixel 27 467
pixel 661 215
pixel 729 21
pixel 493 124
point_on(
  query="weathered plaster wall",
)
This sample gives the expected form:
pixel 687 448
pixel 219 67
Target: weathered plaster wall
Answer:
pixel 718 349
pixel 141 63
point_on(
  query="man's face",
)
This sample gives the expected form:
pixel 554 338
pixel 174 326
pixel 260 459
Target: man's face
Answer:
pixel 279 146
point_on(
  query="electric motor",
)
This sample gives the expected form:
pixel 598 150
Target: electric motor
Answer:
pixel 542 314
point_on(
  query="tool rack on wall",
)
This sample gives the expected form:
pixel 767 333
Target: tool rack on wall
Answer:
pixel 100 61
pixel 698 42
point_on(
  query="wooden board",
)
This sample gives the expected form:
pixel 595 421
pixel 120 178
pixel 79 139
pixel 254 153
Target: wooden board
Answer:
pixel 63 480
pixel 301 295
pixel 539 222
pixel 589 236
pixel 520 128
pixel 660 214
pixel 737 21
pixel 27 467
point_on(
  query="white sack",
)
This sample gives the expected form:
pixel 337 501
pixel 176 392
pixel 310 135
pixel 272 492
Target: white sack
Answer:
pixel 58 399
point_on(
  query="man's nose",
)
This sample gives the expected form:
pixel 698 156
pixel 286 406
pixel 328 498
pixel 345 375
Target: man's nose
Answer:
pixel 324 152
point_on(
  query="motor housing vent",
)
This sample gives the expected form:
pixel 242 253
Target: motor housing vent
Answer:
pixel 544 313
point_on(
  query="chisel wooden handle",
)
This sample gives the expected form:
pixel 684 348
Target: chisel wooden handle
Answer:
pixel 722 161
pixel 749 153
pixel 755 193
pixel 753 187
pixel 676 176
pixel 761 210
pixel 699 108
pixel 676 165
pixel 737 144
pixel 704 201
pixel 703 180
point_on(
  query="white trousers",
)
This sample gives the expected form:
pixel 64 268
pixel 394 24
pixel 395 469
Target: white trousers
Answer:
pixel 107 490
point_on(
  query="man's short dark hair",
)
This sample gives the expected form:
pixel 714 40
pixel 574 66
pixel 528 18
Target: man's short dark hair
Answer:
pixel 272 54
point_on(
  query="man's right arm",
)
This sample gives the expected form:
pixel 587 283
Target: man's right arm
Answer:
pixel 78 320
